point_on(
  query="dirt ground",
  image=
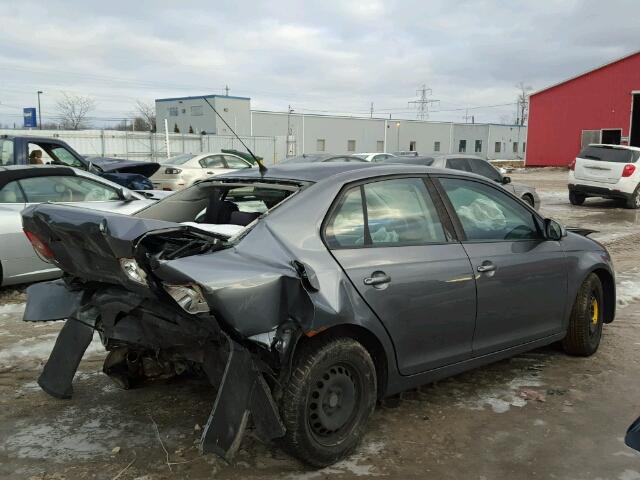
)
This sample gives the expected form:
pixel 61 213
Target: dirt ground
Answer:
pixel 538 415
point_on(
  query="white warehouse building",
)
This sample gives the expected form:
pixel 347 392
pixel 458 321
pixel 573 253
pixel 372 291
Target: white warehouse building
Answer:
pixel 313 133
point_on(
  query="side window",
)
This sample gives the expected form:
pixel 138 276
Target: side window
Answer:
pixel 11 193
pixel 488 214
pixel 459 164
pixel 62 155
pixel 234 162
pixel 402 212
pixel 485 169
pixel 6 152
pixel 66 189
pixel 346 227
pixel 214 161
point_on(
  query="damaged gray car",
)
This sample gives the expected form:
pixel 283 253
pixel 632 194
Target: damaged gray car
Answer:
pixel 309 292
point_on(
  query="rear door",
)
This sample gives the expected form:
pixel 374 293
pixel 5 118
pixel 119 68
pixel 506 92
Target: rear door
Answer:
pixel 213 165
pixel 602 163
pixel 397 246
pixel 521 278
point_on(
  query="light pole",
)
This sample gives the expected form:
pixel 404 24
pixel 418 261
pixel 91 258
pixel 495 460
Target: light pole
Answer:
pixel 39 111
pixel 398 127
pixel 289 112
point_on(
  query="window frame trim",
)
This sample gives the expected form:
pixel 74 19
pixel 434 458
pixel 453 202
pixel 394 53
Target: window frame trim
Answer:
pixel 537 218
pixel 448 226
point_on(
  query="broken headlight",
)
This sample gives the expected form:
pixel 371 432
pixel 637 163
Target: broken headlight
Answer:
pixel 189 297
pixel 133 271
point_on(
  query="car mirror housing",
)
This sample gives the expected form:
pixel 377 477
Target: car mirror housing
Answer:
pixel 506 180
pixel 554 230
pixel 125 195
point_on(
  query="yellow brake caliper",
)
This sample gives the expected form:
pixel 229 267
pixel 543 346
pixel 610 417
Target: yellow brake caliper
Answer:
pixel 594 311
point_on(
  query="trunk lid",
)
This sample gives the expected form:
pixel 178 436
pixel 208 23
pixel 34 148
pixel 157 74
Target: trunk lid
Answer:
pixel 90 244
pixel 603 163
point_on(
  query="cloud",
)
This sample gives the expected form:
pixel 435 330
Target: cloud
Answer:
pixel 332 55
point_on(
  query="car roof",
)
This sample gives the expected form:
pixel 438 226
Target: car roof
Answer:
pixel 620 147
pixel 9 173
pixel 445 156
pixel 345 172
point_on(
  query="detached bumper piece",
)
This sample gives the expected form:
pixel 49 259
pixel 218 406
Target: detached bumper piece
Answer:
pixel 128 321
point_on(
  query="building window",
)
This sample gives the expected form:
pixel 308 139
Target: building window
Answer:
pixel 497 147
pixel 478 146
pixel 351 145
pixel 184 111
pixel 436 146
pixel 320 145
pixel 412 146
pixel 173 111
pixel 515 147
pixel 462 147
pixel 524 147
pixel 380 146
pixel 196 111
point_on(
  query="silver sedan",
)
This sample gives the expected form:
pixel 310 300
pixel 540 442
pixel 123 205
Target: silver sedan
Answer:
pixel 21 186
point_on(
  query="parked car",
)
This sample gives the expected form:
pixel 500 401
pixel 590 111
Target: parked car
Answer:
pixel 345 283
pixel 15 150
pixel 374 157
pixel 22 186
pixel 474 164
pixel 406 153
pixel 606 171
pixel 183 170
pixel 322 157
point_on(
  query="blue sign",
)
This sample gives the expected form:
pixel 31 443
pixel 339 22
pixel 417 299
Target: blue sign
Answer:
pixel 29 117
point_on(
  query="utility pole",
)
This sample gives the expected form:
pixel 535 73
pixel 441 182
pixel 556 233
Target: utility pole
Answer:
pixel 423 102
pixel 39 111
pixel 468 117
pixel 289 112
pixel 398 127
pixel 226 90
pixel 371 110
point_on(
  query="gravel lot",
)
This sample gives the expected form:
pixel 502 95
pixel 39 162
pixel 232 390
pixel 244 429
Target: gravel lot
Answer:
pixel 538 415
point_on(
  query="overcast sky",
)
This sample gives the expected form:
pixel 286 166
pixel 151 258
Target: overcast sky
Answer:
pixel 328 55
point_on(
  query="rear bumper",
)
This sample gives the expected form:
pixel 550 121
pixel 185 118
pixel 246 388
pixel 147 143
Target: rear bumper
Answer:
pixel 168 184
pixel 598 191
pixel 148 328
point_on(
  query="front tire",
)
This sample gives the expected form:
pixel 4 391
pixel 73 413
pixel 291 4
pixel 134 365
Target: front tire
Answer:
pixel 585 325
pixel 576 198
pixel 328 401
pixel 633 201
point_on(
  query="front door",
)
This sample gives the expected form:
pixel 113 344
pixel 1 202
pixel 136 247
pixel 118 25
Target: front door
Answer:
pixel 521 278
pixel 400 255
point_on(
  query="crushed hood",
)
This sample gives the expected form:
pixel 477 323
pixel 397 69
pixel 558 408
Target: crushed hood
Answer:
pixel 116 165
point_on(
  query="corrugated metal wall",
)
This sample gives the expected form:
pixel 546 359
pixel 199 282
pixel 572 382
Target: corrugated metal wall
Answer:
pixel 152 146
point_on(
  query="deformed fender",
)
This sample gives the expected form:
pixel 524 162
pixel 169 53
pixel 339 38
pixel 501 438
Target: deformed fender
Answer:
pixel 48 301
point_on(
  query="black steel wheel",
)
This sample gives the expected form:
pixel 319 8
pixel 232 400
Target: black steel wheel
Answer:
pixel 576 198
pixel 633 201
pixel 328 401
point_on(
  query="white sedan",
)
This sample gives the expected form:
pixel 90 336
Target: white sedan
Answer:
pixel 373 157
pixel 183 170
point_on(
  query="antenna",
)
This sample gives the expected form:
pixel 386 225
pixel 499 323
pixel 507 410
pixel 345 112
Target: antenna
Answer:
pixel 422 104
pixel 261 166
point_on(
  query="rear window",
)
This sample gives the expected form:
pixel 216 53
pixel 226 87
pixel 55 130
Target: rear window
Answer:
pixel 6 152
pixel 609 154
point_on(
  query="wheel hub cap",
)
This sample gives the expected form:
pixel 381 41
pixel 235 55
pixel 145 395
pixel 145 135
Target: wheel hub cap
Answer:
pixel 332 402
pixel 594 310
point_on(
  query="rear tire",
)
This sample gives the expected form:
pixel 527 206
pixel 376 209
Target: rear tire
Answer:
pixel 633 201
pixel 328 401
pixel 576 198
pixel 585 325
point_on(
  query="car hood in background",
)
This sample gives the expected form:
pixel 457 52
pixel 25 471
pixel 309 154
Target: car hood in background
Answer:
pixel 116 165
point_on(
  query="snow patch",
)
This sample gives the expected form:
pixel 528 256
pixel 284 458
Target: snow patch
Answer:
pixel 355 465
pixel 628 288
pixel 12 309
pixel 501 399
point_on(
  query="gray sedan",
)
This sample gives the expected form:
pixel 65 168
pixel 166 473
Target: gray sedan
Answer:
pixel 21 186
pixel 339 284
pixel 473 164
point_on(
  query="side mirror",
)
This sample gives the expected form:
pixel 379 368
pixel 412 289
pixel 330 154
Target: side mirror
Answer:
pixel 553 230
pixel 125 195
pixel 506 180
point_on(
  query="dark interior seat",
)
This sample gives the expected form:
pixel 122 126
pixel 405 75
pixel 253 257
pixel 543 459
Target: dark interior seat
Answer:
pixel 243 218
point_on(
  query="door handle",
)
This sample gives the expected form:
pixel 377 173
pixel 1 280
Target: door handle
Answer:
pixel 486 267
pixel 377 278
pixel 209 173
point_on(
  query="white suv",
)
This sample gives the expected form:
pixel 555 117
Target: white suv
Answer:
pixel 607 171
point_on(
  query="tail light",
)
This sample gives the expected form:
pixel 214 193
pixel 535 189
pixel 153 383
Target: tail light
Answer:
pixel 572 165
pixel 628 170
pixel 41 248
pixel 172 171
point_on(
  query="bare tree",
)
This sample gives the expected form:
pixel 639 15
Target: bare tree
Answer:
pixel 73 110
pixel 147 111
pixel 523 102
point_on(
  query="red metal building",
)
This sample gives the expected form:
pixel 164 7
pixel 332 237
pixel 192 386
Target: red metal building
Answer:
pixel 599 106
